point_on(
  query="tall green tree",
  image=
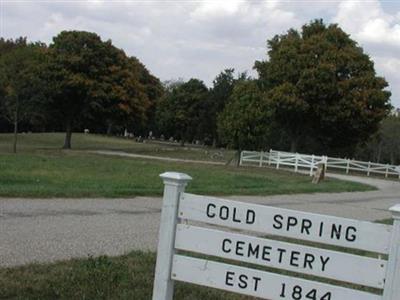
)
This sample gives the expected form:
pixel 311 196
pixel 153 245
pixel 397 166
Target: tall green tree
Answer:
pixel 243 124
pixel 322 85
pixel 7 45
pixel 219 95
pixel 126 102
pixel 154 91
pixel 384 146
pixel 181 112
pixel 20 90
pixel 390 133
pixel 130 106
pixel 90 77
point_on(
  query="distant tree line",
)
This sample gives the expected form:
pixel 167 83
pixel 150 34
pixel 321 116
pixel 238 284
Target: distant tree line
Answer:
pixel 317 92
pixel 384 145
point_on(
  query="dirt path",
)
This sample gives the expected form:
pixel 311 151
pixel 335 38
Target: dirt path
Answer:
pixel 133 155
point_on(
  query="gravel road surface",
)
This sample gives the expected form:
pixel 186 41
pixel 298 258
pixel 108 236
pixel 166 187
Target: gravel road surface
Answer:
pixel 47 230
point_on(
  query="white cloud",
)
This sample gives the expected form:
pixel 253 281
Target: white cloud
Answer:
pixel 216 8
pixel 369 23
pixel 352 15
pixel 389 68
pixel 378 32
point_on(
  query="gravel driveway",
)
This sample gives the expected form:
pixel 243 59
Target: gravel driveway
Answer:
pixel 46 230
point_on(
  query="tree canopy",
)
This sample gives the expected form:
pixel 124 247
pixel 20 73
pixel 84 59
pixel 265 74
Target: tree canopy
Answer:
pixel 244 122
pixel 182 112
pixel 219 96
pixel 90 77
pixel 20 90
pixel 384 146
pixel 321 84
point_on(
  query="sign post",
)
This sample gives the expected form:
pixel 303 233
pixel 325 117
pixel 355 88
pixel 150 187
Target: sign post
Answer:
pixel 174 185
pixel 392 284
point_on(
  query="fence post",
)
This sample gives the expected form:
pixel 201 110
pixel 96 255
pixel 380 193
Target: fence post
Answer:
pixel 174 185
pixel 392 282
pixel 325 162
pixel 369 168
pixel 296 162
pixel 277 162
pixel 269 157
pixel 348 166
pixel 261 158
pixel 241 158
pixel 312 165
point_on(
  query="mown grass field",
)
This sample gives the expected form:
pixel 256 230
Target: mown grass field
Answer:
pixel 45 142
pixel 126 277
pixel 42 169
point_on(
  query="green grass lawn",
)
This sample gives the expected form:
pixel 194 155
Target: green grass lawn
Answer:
pixel 129 276
pixel 41 169
pixel 70 174
pixel 125 277
pixel 44 142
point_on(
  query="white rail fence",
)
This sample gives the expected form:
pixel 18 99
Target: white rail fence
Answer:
pixel 310 163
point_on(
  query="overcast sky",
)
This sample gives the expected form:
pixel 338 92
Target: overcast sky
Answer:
pixel 185 39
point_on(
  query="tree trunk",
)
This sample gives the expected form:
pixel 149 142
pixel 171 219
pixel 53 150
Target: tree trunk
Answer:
pixel 392 158
pixel 109 128
pixel 214 142
pixel 238 157
pixel 379 154
pixel 293 144
pixel 16 116
pixel 182 137
pixel 15 133
pixel 68 134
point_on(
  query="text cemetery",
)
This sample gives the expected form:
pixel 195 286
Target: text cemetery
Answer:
pixel 280 255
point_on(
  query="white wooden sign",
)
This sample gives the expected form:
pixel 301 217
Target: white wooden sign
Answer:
pixel 185 226
pixel 287 223
pixel 257 283
pixel 281 255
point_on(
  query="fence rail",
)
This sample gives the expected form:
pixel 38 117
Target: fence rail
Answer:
pixel 310 163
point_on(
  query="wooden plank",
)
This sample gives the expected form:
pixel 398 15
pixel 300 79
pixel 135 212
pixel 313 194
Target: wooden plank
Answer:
pixel 265 252
pixel 287 223
pixel 257 283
